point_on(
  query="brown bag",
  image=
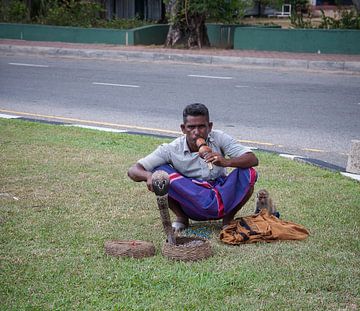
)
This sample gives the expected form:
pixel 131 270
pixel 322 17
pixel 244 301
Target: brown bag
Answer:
pixel 262 227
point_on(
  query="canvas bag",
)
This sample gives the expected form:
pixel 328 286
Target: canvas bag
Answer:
pixel 261 227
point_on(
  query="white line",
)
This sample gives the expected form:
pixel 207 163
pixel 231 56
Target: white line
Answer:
pixel 28 65
pixel 210 77
pixel 242 86
pixel 99 128
pixel 353 176
pixel 7 116
pixel 114 84
pixel 289 156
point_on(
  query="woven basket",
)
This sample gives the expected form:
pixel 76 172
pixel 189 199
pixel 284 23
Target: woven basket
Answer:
pixel 187 249
pixel 135 249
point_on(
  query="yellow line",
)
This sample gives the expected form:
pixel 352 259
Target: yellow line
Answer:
pixel 255 142
pixel 89 122
pixel 129 126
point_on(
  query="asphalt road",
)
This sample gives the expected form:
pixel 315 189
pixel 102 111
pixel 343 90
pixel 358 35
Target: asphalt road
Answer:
pixel 308 114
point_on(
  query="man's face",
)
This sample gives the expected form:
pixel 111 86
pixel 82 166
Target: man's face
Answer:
pixel 195 127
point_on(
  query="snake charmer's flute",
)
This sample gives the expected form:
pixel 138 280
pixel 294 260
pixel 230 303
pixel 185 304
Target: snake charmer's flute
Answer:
pixel 204 149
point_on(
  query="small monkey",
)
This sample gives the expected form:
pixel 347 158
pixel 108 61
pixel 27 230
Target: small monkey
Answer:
pixel 263 200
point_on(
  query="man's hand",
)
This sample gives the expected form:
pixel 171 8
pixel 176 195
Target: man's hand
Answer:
pixel 138 173
pixel 149 183
pixel 216 159
pixel 244 161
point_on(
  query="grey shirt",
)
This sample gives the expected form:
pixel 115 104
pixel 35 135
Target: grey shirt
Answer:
pixel 189 163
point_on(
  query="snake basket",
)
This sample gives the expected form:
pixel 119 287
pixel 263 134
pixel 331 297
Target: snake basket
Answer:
pixel 134 249
pixel 187 249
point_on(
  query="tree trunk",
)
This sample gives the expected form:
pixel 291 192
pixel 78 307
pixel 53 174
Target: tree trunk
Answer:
pixel 174 34
pixel 197 33
pixel 189 30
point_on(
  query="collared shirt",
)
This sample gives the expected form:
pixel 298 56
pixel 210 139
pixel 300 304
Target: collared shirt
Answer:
pixel 190 164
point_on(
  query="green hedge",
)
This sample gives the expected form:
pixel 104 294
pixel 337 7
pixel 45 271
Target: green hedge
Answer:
pixel 298 40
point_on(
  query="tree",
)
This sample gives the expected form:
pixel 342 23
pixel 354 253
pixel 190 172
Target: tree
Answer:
pixel 187 19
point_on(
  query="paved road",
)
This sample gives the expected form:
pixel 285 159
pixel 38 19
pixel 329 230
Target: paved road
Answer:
pixel 312 114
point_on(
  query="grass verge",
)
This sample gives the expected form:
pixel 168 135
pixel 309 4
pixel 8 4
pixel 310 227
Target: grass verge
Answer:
pixel 64 192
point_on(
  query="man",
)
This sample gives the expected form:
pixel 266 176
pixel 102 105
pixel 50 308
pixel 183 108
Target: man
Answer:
pixel 197 190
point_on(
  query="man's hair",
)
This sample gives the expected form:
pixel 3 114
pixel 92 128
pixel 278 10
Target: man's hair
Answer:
pixel 195 110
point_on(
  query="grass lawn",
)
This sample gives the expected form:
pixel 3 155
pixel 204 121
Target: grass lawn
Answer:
pixel 64 192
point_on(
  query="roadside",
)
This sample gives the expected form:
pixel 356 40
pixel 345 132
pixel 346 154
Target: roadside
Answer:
pixel 349 64
pixel 87 124
pixel 210 56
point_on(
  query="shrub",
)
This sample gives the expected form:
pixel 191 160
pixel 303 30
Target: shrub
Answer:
pixel 73 13
pixel 15 12
pixel 349 19
pixel 118 23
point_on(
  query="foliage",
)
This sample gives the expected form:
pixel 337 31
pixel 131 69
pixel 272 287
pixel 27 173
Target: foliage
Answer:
pixel 16 12
pixel 222 11
pixel 64 192
pixel 73 13
pixel 349 19
pixel 345 19
pixel 299 8
pixel 77 13
pixel 122 23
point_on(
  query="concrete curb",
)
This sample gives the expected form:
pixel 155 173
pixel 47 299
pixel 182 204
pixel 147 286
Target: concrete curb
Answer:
pixel 147 56
pixel 310 161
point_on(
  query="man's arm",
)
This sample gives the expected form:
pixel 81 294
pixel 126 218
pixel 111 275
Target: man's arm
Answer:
pixel 246 160
pixel 138 173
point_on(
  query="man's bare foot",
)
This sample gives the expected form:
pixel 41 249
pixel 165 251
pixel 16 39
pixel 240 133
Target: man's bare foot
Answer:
pixel 180 224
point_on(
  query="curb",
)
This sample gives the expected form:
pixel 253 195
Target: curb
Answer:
pixel 299 64
pixel 300 159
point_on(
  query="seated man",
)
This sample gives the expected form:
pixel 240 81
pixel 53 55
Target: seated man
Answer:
pixel 200 191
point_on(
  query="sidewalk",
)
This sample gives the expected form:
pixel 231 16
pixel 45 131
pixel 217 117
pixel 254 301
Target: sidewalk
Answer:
pixel 211 56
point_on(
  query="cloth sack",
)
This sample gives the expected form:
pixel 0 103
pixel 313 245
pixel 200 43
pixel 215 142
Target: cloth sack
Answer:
pixel 261 227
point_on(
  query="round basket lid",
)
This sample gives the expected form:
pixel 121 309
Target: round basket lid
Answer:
pixel 134 248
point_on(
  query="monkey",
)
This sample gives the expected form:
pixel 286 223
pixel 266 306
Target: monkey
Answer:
pixel 263 200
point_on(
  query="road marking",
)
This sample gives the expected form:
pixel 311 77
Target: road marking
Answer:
pixel 353 176
pixel 28 65
pixel 255 142
pixel 7 116
pixel 210 77
pixel 108 124
pixel 115 84
pixel 103 129
pixel 289 156
pixel 312 150
pixel 241 86
pixel 126 126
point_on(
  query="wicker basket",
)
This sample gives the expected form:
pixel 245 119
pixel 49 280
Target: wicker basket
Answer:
pixel 187 249
pixel 135 249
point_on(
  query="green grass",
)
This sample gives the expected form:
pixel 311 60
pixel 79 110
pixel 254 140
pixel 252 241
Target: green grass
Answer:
pixel 73 195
